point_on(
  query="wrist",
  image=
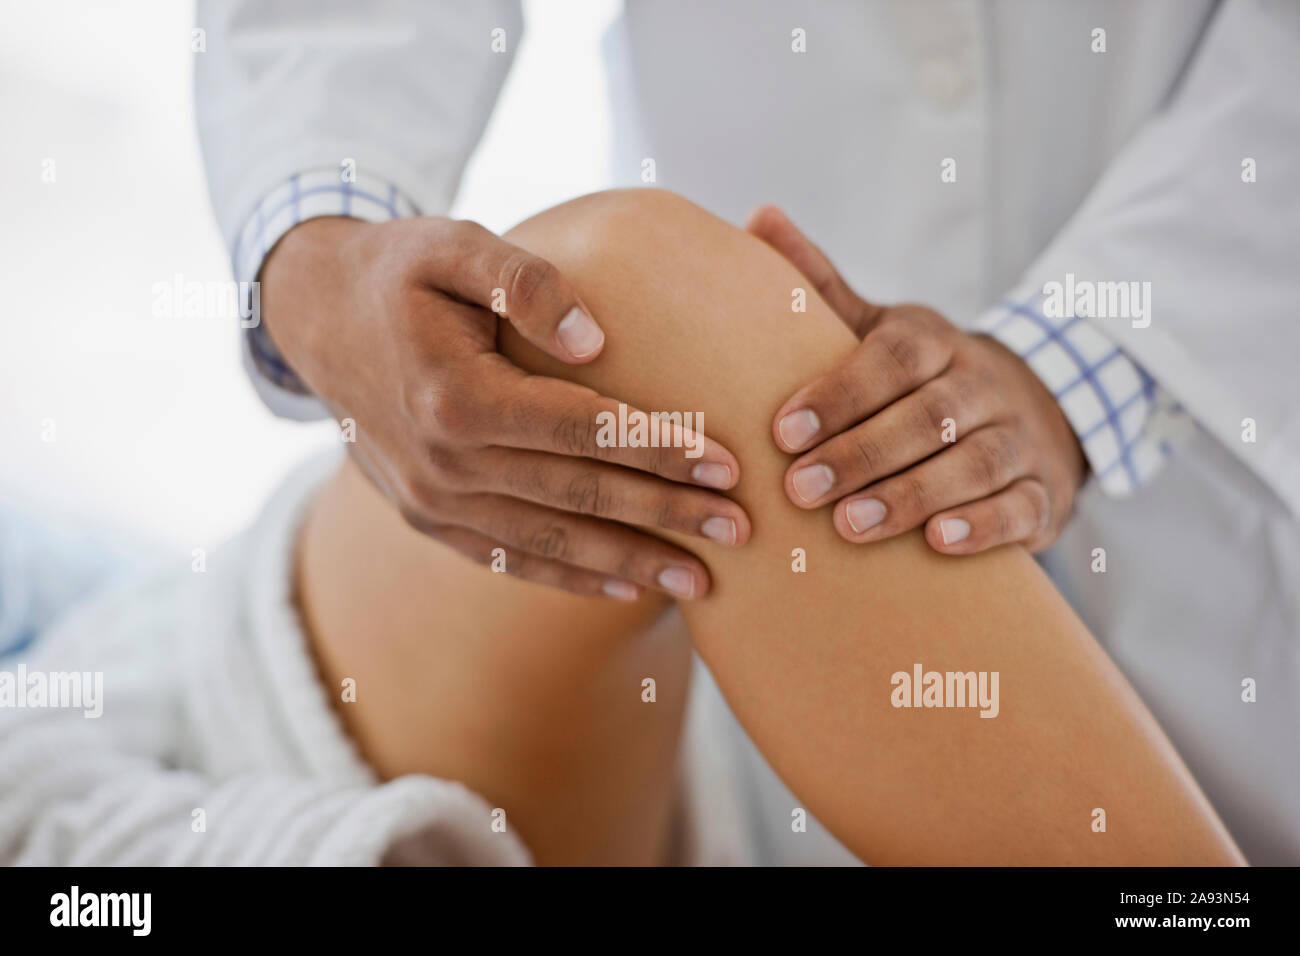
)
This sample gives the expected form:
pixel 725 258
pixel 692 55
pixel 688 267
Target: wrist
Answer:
pixel 306 277
pixel 1053 424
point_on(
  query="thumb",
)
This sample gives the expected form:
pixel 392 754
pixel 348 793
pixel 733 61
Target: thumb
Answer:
pixel 486 270
pixel 774 227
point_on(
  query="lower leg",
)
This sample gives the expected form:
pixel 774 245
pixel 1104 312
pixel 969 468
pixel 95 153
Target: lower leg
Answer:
pixel 529 696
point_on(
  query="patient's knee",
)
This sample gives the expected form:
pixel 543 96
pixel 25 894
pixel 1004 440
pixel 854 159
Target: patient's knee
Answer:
pixel 633 256
pixel 675 288
pixel 641 228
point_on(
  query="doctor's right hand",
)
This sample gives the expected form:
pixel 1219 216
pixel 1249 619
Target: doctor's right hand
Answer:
pixel 393 325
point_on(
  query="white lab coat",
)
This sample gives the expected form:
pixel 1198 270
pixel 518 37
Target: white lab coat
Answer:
pixel 1122 165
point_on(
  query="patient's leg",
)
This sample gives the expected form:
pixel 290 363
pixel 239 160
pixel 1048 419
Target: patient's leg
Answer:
pixel 697 318
pixel 531 697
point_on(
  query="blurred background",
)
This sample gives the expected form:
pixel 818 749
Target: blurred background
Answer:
pixel 146 427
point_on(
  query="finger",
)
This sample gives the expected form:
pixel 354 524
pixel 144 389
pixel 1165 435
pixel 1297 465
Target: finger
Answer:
pixel 982 463
pixel 1020 512
pixel 904 433
pixel 539 570
pixel 552 415
pixel 481 267
pixel 601 546
pixel 617 494
pixel 771 224
pixel 896 358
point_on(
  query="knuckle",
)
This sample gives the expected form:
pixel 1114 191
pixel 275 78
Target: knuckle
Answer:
pixel 667 514
pixel 585 495
pixel 461 237
pixel 633 566
pixel 926 318
pixel 449 472
pixel 449 412
pixel 1008 454
pixel 524 277
pixel 993 462
pixel 910 313
pixel 416 402
pixel 576 435
pixel 869 454
pixel 846 392
pixel 962 391
pixel 982 467
pixel 913 496
pixel 550 541
pixel 437 252
pixel 985 379
pixel 902 355
pixel 934 405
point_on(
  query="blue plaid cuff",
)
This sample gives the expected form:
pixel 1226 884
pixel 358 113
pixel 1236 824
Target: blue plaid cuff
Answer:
pixel 307 195
pixel 1111 403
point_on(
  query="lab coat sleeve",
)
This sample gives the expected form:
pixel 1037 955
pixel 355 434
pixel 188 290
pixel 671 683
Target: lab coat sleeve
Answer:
pixel 395 92
pixel 1203 204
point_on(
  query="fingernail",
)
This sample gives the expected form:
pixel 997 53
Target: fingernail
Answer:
pixel 864 513
pixel 620 590
pixel 953 530
pixel 678 580
pixel 721 530
pixel 798 427
pixel 711 474
pixel 812 482
pixel 579 333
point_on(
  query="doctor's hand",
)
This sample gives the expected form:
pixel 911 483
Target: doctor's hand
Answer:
pixel 923 424
pixel 393 326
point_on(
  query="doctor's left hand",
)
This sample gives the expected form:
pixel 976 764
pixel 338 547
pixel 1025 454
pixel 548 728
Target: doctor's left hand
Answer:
pixel 923 424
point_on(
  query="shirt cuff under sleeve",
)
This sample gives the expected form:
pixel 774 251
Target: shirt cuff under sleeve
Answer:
pixel 1123 418
pixel 306 195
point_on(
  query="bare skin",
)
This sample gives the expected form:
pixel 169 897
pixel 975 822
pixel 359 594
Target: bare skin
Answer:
pixel 871 433
pixel 528 695
pixel 393 326
pixel 804 659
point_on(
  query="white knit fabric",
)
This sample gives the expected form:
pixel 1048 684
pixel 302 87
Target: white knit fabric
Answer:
pixel 211 703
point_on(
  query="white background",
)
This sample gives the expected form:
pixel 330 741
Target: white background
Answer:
pixel 156 431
